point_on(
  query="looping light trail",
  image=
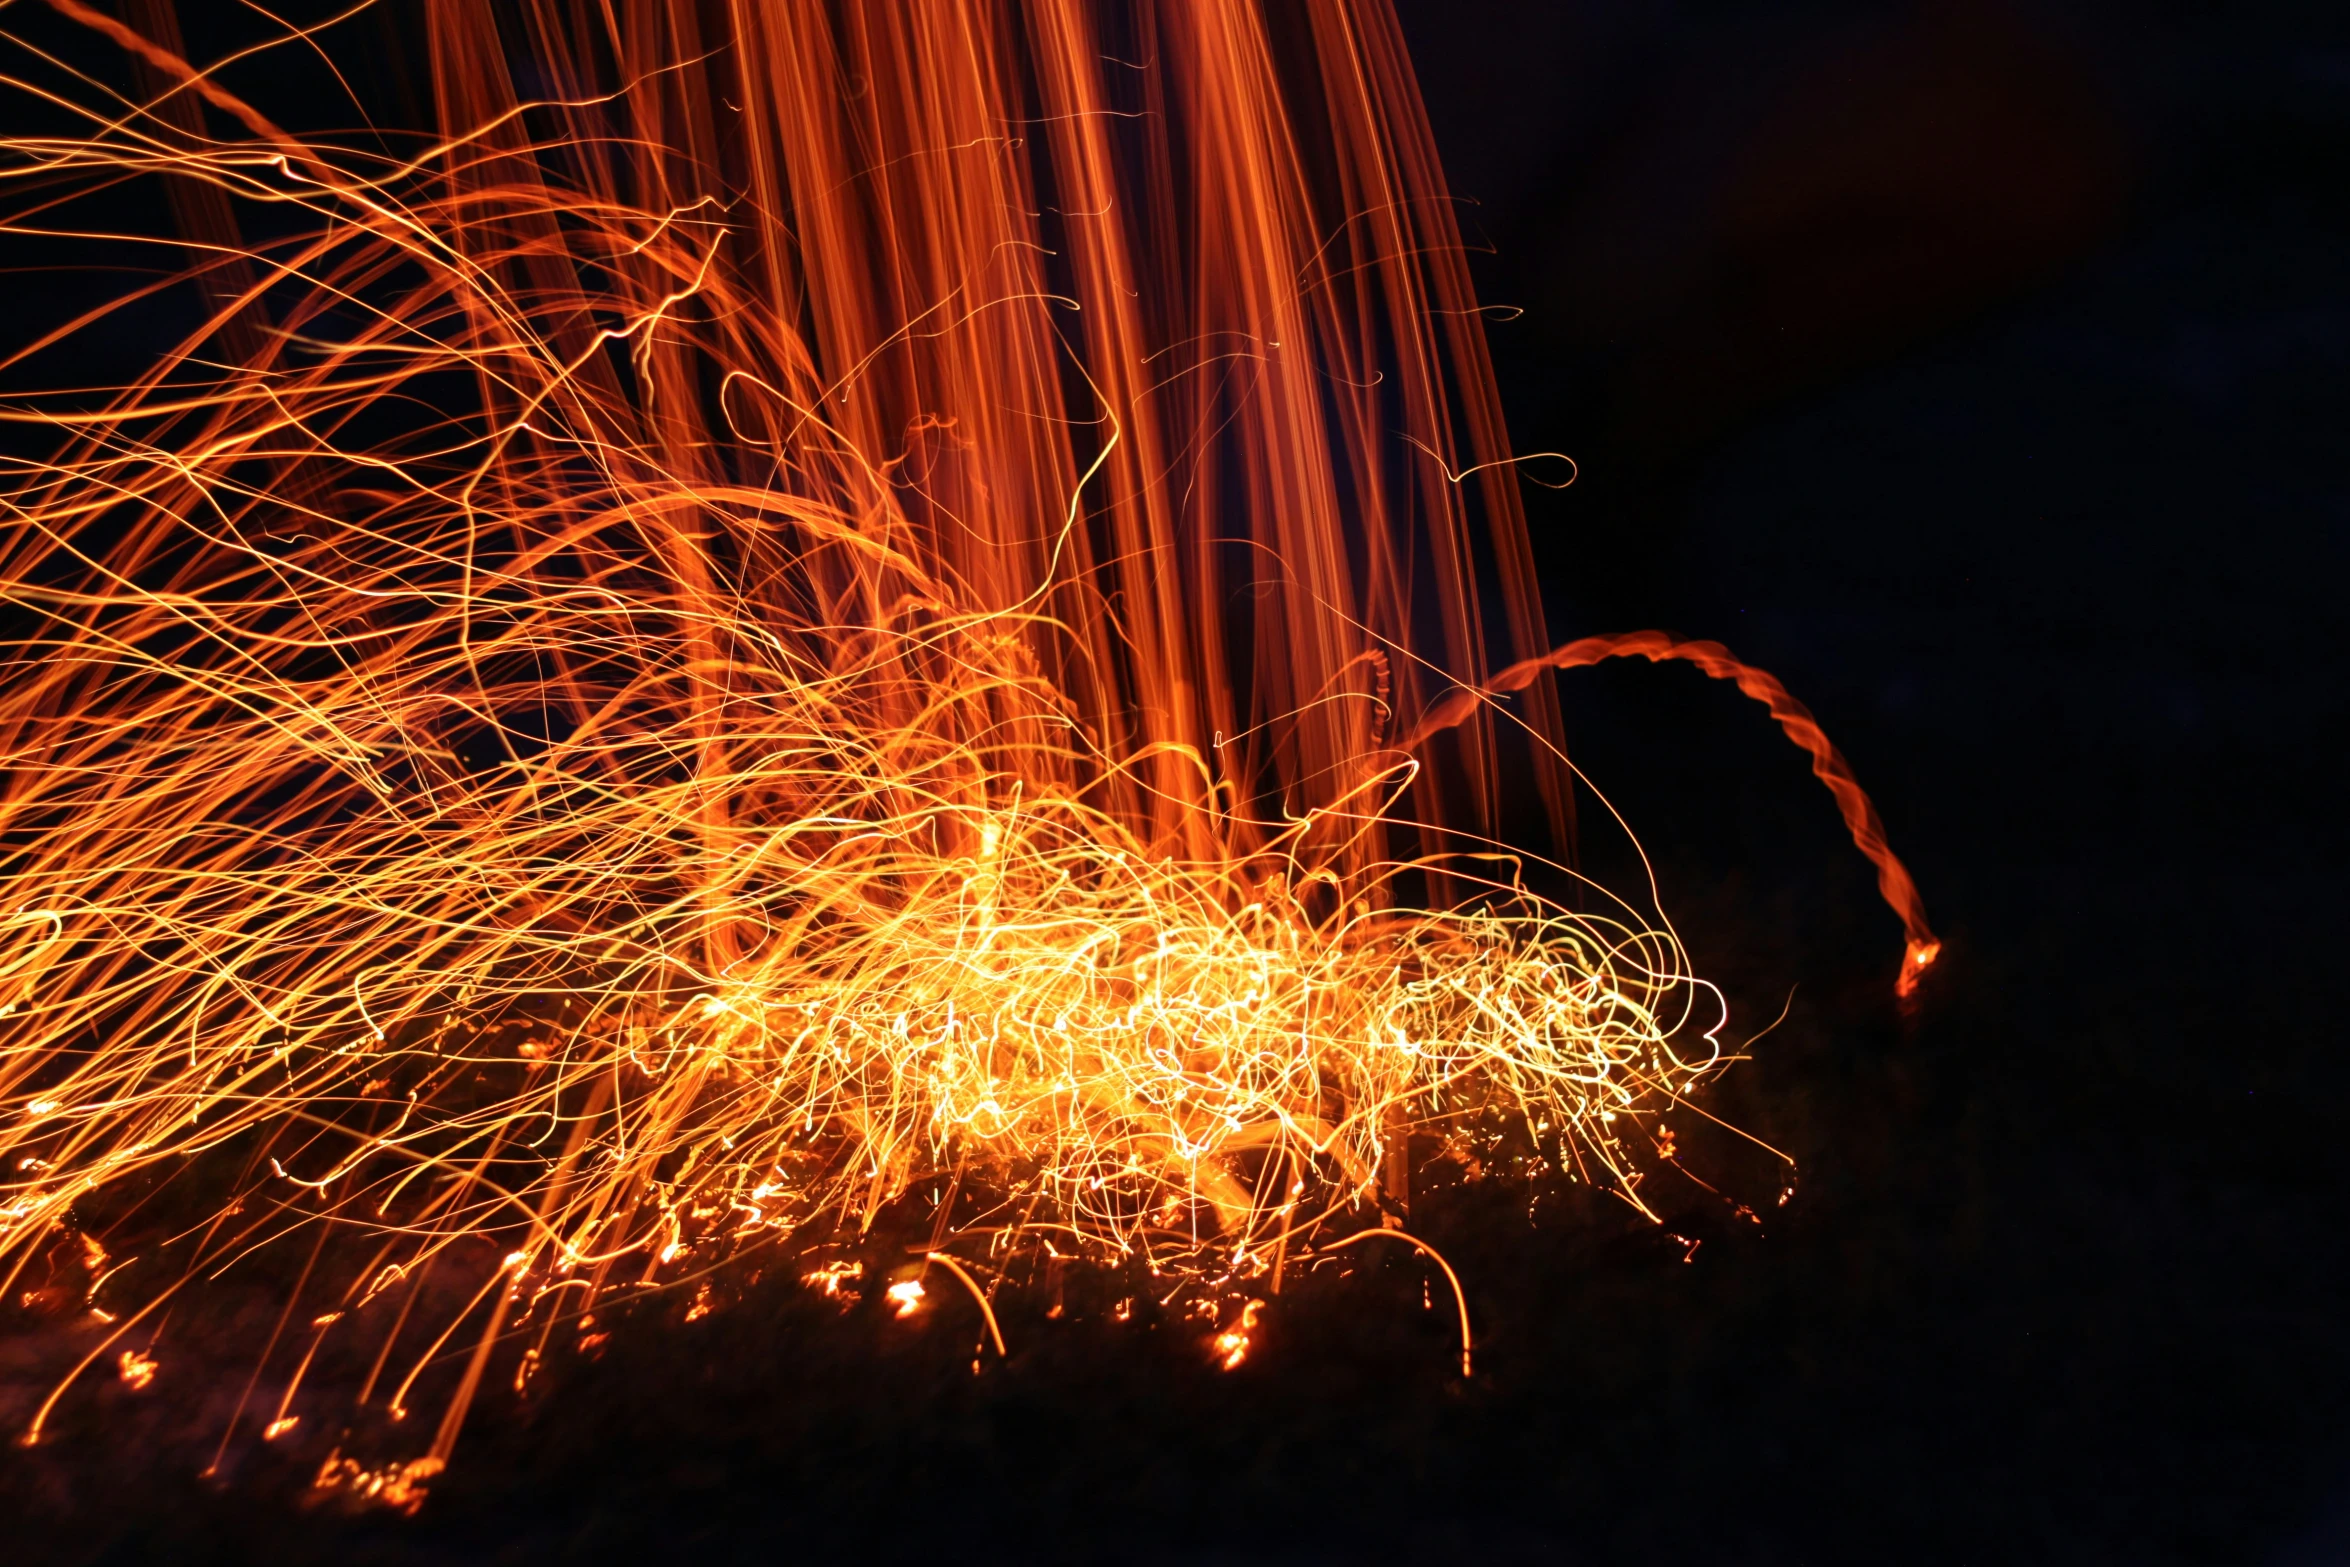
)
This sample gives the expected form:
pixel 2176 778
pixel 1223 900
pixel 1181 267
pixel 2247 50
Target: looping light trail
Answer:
pixel 1860 815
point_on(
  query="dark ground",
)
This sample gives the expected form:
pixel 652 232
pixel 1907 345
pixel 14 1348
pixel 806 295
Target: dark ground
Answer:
pixel 1980 371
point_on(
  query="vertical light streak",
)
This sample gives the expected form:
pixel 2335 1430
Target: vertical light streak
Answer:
pixel 692 654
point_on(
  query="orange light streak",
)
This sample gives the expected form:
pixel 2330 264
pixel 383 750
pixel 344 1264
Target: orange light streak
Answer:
pixel 1860 815
pixel 1459 1296
pixel 962 1274
pixel 724 653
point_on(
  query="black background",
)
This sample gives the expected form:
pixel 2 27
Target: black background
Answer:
pixel 1978 369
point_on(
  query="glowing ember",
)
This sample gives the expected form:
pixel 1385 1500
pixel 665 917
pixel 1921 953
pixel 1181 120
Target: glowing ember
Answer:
pixel 834 1279
pixel 137 1370
pixel 1232 1344
pixel 400 1486
pixel 906 1295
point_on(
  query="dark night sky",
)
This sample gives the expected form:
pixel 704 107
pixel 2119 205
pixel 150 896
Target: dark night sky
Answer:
pixel 1980 370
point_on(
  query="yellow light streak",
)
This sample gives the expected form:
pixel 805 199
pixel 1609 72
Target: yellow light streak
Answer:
pixel 611 735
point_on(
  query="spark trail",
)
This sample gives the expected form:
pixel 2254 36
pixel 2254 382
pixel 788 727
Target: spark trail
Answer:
pixel 675 661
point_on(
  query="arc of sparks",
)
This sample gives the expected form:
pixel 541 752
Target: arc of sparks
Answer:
pixel 674 734
pixel 986 1311
pixel 1459 1297
pixel 1894 882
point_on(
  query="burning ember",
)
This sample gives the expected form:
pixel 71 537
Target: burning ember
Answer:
pixel 635 694
pixel 1232 1343
pixel 137 1370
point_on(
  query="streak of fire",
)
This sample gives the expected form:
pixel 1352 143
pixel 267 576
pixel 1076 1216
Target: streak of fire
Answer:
pixel 864 626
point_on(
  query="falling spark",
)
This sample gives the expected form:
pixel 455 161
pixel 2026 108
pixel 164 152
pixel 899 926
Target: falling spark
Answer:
pixel 578 720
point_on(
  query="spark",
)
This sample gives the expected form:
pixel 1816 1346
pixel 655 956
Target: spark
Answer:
pixel 543 756
pixel 1231 1345
pixel 833 1279
pixel 400 1486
